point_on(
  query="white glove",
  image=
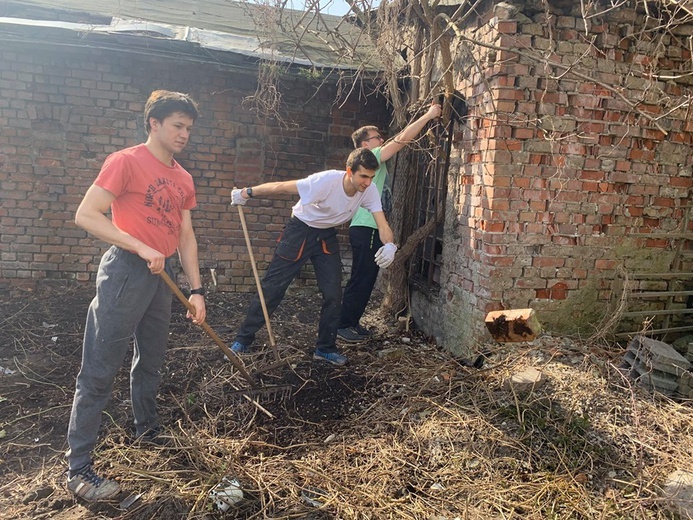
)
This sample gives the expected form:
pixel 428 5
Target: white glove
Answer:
pixel 237 198
pixel 385 255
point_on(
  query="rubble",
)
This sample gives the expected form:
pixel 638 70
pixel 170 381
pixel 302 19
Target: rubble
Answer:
pixel 678 492
pixel 657 366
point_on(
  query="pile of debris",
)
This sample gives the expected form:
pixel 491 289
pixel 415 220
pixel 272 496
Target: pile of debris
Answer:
pixel 657 366
pixel 686 382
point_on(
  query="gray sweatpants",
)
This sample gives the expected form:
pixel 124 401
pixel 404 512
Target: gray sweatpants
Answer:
pixel 130 302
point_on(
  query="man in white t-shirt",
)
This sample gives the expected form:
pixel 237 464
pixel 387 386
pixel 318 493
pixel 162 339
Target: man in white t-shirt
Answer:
pixel 327 200
pixel 362 236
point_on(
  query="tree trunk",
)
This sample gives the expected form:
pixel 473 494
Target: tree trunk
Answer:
pixel 396 299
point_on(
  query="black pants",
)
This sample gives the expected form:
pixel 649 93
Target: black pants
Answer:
pixel 365 242
pixel 298 244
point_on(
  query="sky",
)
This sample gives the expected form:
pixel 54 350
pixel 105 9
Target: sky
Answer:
pixel 335 7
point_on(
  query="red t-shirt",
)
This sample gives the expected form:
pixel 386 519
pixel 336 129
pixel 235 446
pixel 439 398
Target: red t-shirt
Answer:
pixel 150 196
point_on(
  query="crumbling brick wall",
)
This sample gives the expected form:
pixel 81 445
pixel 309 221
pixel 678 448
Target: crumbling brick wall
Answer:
pixel 63 110
pixel 556 181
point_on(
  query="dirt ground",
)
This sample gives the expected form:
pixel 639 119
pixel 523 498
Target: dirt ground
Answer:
pixel 405 431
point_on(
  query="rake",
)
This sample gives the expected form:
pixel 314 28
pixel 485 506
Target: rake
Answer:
pixel 255 394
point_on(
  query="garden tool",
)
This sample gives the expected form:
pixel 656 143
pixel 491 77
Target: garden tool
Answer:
pixel 256 392
pixel 278 361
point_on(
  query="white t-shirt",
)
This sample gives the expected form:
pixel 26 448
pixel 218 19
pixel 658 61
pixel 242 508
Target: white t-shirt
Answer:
pixel 324 204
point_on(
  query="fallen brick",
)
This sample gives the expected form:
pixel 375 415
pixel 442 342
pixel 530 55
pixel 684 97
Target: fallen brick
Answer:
pixel 512 326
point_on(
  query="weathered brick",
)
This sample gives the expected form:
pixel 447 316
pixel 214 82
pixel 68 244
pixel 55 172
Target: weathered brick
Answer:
pixel 81 109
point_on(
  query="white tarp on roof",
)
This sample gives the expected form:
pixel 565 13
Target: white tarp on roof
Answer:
pixel 248 29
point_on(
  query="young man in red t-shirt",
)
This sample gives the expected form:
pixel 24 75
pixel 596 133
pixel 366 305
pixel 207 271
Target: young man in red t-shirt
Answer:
pixel 150 197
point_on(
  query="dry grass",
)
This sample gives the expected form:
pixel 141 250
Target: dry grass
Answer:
pixel 416 436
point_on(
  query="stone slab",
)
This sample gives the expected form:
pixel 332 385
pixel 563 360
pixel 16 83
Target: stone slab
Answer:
pixel 525 381
pixel 678 493
pixel 660 352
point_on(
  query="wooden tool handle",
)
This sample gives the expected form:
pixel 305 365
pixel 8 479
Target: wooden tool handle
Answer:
pixel 232 356
pixel 258 284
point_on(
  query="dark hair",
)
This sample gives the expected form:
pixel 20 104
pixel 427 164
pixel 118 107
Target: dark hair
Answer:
pixel 362 134
pixel 163 103
pixel 362 157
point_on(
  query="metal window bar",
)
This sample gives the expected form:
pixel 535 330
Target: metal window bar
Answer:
pixel 432 184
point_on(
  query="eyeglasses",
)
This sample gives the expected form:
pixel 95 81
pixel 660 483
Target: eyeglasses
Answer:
pixel 380 137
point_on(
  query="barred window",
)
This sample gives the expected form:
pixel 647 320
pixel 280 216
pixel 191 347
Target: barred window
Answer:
pixel 426 262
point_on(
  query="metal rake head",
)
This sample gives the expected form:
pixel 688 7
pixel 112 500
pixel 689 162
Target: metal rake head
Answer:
pixel 263 394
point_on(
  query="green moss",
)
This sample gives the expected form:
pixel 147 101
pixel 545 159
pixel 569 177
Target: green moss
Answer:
pixel 582 312
pixel 579 313
pixel 636 259
pixel 459 323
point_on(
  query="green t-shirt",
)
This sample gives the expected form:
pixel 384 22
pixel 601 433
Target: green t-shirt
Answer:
pixel 364 217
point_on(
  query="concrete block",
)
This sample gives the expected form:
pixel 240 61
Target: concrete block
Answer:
pixel 511 326
pixel 629 358
pixel 685 389
pixel 628 365
pixel 678 493
pixel 685 394
pixel 654 380
pixel 654 364
pixel 525 381
pixel 686 379
pixel 682 344
pixel 650 388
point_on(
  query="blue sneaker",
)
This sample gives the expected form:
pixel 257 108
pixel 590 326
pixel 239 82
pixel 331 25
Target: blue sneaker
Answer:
pixel 331 357
pixel 239 348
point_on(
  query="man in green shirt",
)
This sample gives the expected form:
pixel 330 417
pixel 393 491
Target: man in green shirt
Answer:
pixel 363 232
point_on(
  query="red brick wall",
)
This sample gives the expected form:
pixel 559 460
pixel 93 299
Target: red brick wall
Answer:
pixel 63 111
pixel 554 177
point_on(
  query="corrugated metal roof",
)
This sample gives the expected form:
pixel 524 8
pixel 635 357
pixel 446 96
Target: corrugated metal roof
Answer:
pixel 239 27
